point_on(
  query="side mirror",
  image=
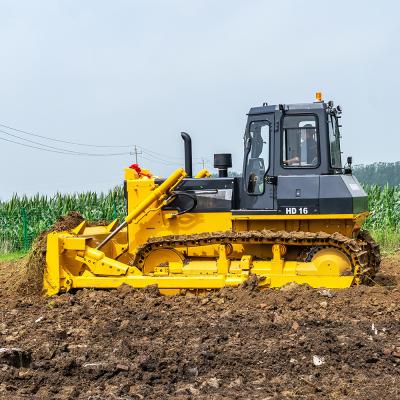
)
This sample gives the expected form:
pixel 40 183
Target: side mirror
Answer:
pixel 349 161
pixel 347 168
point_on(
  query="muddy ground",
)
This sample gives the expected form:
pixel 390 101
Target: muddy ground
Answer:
pixel 293 343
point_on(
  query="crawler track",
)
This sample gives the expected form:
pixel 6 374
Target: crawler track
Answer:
pixel 374 255
pixel 363 251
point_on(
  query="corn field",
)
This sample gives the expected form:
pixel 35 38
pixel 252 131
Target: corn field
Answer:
pixel 22 219
pixel 384 203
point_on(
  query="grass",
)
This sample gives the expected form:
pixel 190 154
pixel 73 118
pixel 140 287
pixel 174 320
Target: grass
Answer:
pixel 389 241
pixel 13 256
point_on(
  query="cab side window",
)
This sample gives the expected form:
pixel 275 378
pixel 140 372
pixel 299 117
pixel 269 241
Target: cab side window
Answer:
pixel 257 162
pixel 334 140
pixel 300 142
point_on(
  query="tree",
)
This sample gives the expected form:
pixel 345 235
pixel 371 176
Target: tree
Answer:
pixel 379 173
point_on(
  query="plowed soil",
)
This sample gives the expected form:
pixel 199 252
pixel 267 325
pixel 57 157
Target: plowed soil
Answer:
pixel 293 343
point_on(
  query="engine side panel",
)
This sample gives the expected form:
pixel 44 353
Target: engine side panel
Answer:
pixel 342 194
pixel 298 194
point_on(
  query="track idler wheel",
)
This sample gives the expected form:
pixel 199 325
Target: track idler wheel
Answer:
pixel 162 258
pixel 331 261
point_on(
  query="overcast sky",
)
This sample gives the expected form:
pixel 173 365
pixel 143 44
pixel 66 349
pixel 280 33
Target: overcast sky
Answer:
pixel 139 72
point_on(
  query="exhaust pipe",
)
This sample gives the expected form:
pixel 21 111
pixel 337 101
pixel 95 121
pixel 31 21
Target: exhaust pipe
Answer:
pixel 188 154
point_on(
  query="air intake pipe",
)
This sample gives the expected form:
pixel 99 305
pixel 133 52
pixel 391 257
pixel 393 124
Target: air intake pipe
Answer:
pixel 222 162
pixel 188 154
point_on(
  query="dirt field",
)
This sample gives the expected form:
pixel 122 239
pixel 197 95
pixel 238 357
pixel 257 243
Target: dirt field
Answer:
pixel 294 343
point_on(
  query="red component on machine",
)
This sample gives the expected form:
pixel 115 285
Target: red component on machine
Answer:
pixel 139 171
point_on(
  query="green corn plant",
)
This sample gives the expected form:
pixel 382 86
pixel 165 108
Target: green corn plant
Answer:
pixel 42 211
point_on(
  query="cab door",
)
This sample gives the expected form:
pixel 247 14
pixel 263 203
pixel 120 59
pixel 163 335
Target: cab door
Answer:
pixel 258 191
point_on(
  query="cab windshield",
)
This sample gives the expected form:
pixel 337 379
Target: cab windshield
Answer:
pixel 300 142
pixel 334 140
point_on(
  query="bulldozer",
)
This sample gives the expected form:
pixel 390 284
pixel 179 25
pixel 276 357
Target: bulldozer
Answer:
pixel 293 215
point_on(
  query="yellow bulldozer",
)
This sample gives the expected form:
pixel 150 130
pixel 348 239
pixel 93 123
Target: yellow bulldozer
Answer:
pixel 294 215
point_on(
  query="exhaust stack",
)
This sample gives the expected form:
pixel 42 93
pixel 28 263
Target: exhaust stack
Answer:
pixel 188 154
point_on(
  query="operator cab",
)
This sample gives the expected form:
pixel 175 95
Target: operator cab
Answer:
pixel 295 139
pixel 291 156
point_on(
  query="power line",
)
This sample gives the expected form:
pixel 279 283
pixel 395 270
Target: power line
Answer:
pixel 161 159
pixel 59 140
pixel 154 153
pixel 60 151
pixel 161 162
pixel 33 147
pixel 155 156
pixel 67 151
pixel 84 144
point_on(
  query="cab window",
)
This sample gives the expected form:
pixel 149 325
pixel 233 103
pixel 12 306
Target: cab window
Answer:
pixel 334 140
pixel 257 162
pixel 300 147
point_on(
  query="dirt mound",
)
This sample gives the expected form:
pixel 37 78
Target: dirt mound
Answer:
pixel 292 343
pixel 28 273
pixel 66 222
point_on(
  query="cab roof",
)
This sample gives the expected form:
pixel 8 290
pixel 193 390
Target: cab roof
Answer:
pixel 299 106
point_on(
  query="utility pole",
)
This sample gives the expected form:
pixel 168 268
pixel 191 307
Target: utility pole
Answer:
pixel 136 152
pixel 203 162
